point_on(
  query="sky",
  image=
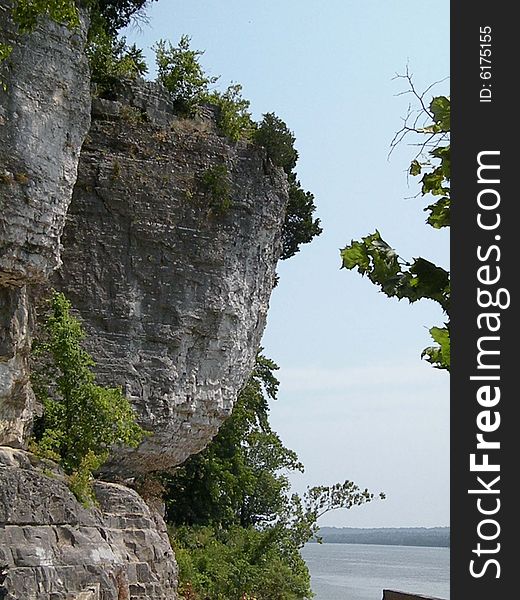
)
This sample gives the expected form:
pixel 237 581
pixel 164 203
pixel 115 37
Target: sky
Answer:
pixel 356 401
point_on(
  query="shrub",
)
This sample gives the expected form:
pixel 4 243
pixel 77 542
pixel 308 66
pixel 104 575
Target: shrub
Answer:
pixel 278 140
pixel 81 420
pixel 236 563
pixel 215 181
pixel 111 60
pixel 180 72
pixel 27 12
pixel 300 227
pixel 117 14
pixel 234 119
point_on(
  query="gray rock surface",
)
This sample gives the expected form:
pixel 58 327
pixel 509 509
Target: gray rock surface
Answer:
pixel 16 396
pixel 53 548
pixel 172 283
pixel 44 116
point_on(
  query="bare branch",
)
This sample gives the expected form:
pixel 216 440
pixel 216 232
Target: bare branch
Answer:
pixel 415 120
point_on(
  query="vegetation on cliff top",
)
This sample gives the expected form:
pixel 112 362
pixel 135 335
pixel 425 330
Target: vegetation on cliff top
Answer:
pixel 106 18
pixel 180 72
pixel 112 15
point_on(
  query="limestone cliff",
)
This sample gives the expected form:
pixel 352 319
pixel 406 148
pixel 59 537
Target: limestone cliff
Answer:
pixel 44 116
pixel 172 287
pixel 169 250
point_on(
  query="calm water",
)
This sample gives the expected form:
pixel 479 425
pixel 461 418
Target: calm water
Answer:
pixel 361 572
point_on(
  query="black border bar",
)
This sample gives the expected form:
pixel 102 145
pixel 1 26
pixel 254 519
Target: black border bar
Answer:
pixel 484 256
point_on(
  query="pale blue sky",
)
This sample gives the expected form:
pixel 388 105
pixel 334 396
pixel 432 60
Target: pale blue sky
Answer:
pixel 356 402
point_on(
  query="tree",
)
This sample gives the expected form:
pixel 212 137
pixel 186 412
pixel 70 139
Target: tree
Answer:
pixel 117 14
pixel 299 227
pixel 114 14
pixel 419 278
pixel 81 420
pixel 236 479
pixel 180 71
pixel 236 527
pixel 110 58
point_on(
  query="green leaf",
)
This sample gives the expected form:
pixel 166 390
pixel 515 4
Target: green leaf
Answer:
pixel 355 255
pixel 444 154
pixel 432 281
pixel 440 213
pixel 439 356
pixel 440 108
pixel 415 167
pixel 434 183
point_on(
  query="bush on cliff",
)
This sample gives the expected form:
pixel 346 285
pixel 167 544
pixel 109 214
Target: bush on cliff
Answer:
pixel 111 60
pixel 81 420
pixel 180 72
pixel 109 56
pixel 300 227
pixel 233 117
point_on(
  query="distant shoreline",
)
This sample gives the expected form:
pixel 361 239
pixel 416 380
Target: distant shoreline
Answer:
pixel 433 537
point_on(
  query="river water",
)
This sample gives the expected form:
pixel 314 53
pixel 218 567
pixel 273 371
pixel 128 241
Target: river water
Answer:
pixel 362 571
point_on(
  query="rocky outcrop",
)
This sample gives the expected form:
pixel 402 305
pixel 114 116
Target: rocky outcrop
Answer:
pixel 44 116
pixel 169 253
pixel 52 547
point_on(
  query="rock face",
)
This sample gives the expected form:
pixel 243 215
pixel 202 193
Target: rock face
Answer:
pixel 44 116
pixel 169 252
pixel 53 548
pixel 170 247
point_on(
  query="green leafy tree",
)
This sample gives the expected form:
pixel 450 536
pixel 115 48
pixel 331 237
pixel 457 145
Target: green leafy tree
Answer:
pixel 237 528
pixel 235 479
pixel 419 278
pixel 114 14
pixel 180 71
pixel 27 12
pixel 278 140
pixel 110 58
pixel 300 227
pixel 81 420
pixel 117 14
